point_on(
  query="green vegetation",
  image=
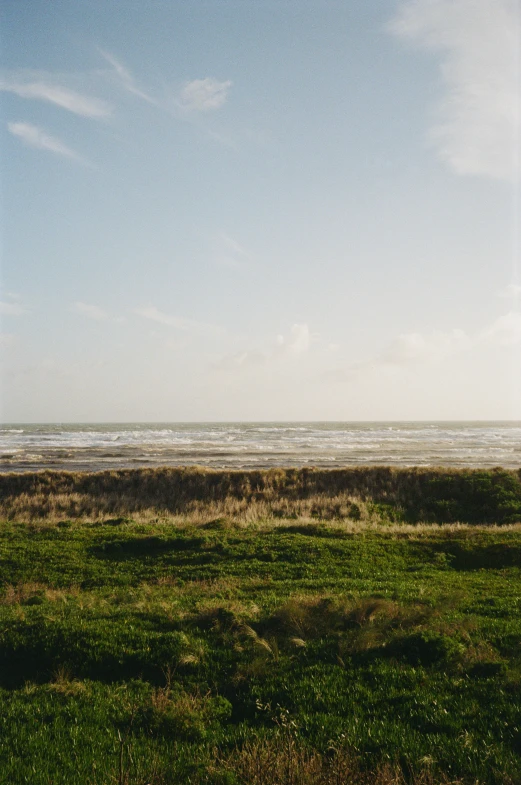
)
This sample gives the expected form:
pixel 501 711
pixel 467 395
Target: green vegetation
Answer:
pixel 147 640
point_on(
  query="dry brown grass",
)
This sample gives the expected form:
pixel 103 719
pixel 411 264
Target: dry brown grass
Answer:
pixel 308 617
pixel 222 513
pixel 281 760
pixel 185 705
pixel 31 592
pixel 64 684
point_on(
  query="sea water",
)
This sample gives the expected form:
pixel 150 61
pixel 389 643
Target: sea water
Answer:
pixel 94 447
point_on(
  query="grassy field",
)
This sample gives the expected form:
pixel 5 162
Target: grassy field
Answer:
pixel 276 628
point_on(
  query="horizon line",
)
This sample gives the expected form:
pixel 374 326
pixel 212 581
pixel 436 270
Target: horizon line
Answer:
pixel 251 422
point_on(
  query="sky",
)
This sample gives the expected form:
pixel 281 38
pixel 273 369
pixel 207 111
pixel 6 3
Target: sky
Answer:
pixel 226 210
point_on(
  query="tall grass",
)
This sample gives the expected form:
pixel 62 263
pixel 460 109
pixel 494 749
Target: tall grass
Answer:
pixel 408 495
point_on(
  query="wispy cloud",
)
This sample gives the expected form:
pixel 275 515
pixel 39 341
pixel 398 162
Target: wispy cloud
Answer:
pixel 233 245
pixel 505 331
pixel 91 311
pixel 249 358
pixel 195 96
pixel 411 350
pixel 7 339
pixel 39 139
pixel 11 309
pixel 230 253
pixel 281 350
pixel 124 77
pixel 204 95
pixel 43 87
pixel 478 131
pixel 177 322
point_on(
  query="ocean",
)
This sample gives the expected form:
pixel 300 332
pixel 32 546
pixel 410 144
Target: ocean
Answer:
pixel 93 447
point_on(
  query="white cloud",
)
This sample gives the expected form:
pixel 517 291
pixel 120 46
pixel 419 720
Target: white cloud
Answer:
pixel 124 77
pixel 39 139
pixel 241 360
pixel 505 331
pixel 203 95
pixel 41 87
pixel 178 322
pixel 479 131
pixel 7 339
pixel 411 348
pixel 297 342
pixel 283 349
pixel 91 311
pixel 407 350
pixel 11 309
pixel 510 292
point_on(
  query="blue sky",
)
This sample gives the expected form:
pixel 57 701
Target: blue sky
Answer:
pixel 246 210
